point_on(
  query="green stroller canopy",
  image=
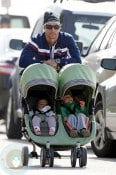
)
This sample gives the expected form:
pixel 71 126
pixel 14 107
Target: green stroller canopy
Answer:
pixel 76 74
pixel 38 75
pixel 42 75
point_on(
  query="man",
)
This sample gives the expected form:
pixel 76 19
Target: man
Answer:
pixel 52 47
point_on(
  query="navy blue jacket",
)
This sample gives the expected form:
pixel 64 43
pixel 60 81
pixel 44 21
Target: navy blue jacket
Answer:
pixel 37 50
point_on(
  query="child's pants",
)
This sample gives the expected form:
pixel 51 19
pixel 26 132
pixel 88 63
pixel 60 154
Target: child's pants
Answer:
pixel 78 121
pixel 50 120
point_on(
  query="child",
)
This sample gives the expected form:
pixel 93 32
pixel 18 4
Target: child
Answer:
pixel 74 116
pixel 44 108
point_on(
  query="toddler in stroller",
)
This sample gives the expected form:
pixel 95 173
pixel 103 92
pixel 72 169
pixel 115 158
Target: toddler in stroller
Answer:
pixel 42 107
pixel 74 117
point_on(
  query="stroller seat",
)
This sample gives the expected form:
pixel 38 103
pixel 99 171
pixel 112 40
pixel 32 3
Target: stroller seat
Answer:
pixel 31 100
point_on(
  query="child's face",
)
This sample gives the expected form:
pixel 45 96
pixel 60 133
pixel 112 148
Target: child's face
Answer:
pixel 42 103
pixel 68 99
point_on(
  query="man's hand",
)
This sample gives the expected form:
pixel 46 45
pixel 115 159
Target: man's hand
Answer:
pixel 51 63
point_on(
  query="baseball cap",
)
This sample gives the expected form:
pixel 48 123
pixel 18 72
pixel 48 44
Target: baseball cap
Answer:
pixel 50 17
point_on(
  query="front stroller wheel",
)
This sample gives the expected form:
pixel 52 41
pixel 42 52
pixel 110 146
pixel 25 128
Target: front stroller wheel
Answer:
pixel 25 156
pixel 43 157
pixel 73 156
pixel 83 157
pixel 51 157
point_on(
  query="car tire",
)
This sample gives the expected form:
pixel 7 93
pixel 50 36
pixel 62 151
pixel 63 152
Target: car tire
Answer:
pixel 101 145
pixel 13 124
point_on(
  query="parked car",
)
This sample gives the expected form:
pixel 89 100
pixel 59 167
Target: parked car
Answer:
pixel 103 46
pixel 104 144
pixel 81 19
pixel 8 58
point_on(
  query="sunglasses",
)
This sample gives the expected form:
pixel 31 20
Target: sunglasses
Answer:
pixel 50 27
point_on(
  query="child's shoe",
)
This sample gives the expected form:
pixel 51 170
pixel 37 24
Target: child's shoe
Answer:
pixel 52 131
pixel 85 133
pixel 73 133
pixel 37 130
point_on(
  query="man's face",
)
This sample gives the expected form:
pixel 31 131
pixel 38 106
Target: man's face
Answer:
pixel 51 32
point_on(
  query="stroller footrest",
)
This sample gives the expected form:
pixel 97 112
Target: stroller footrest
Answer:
pixel 44 128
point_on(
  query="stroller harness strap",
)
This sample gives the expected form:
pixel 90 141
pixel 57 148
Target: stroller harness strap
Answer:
pixel 41 112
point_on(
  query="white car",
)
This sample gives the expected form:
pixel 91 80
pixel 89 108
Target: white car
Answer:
pixel 103 46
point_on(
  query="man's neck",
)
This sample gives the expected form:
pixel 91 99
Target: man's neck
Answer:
pixel 52 42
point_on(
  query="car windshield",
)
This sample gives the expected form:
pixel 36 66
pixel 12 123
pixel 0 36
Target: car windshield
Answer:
pixel 84 28
pixel 19 23
pixel 14 21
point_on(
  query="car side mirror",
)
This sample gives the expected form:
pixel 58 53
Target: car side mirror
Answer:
pixel 109 64
pixel 16 44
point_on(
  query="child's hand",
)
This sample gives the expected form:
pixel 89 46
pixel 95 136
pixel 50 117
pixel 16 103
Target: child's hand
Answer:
pixel 82 104
pixel 65 119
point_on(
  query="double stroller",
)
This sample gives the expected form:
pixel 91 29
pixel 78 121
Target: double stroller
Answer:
pixel 41 79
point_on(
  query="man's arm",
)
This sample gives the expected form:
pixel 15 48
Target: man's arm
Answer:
pixel 75 56
pixel 27 57
pixel 29 54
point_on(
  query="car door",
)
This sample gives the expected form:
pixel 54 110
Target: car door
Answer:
pixel 111 103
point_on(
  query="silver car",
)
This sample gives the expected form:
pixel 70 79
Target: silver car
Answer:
pixel 104 144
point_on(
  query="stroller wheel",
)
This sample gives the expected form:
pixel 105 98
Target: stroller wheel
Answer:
pixel 83 157
pixel 51 157
pixel 25 156
pixel 73 156
pixel 43 157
